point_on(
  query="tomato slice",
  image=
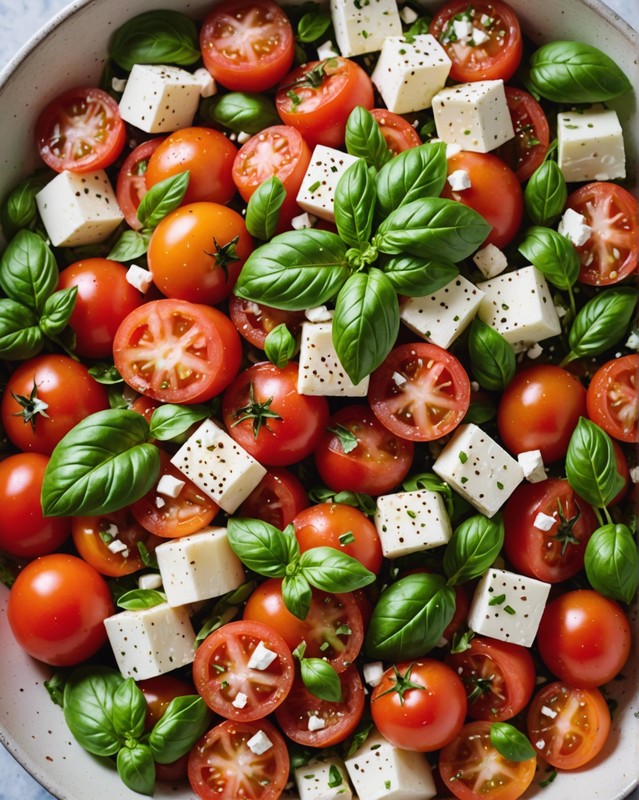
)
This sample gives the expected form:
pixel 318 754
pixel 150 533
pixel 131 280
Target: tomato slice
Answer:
pixel 277 499
pixel 399 134
pixel 527 150
pixel 612 398
pixel 611 252
pixel 176 351
pixel 131 186
pixel 80 131
pixel 420 392
pixel 254 321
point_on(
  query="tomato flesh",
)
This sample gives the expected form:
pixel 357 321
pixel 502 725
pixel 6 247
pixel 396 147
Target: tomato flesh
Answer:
pixel 612 398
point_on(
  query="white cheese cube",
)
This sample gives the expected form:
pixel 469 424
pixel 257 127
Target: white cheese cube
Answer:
pixel 323 780
pixel 151 641
pixel 240 700
pixel 590 145
pixel 573 226
pixel 198 567
pixel 152 580
pixel 361 27
pixel 408 15
pixel 459 180
pixel 170 486
pixel 208 87
pixel 479 469
pixel 473 115
pixel 160 98
pixel 519 306
pixel 326 50
pixel 381 771
pixel 303 221
pixel 79 209
pixel 317 192
pixel 532 464
pixel 373 672
pixel 409 74
pixel 442 316
pixel 117 546
pixel 218 466
pixel 140 278
pixel 490 261
pixel 508 607
pixel 543 522
pixel 259 743
pixel 320 372
pixel 261 658
pixel 408 522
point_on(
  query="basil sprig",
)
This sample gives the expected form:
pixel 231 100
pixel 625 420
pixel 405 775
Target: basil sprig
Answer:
pixel 364 138
pixel 280 345
pixel 225 609
pixel 611 562
pixel 263 209
pixel 412 175
pixel 512 744
pixel 591 465
pixel 155 37
pixel 364 502
pixel 473 548
pixel 546 193
pixel 601 323
pixel 241 112
pixel 492 358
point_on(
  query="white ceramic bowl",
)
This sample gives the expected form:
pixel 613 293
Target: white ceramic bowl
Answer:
pixel 70 51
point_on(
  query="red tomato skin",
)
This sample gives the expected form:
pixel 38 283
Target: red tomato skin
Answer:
pixel 612 398
pixel 131 186
pixel 57 607
pixel 91 547
pixel 584 638
pixel 277 499
pixel 399 134
pixel 530 124
pixel 254 321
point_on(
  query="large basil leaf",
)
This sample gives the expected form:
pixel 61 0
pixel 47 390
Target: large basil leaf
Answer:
pixel 332 570
pixel 492 358
pixel 156 37
pixel 418 277
pixel 20 336
pixel 101 465
pixel 546 193
pixel 263 209
pixel 601 323
pixel 28 270
pixel 163 198
pixel 295 270
pixel 136 767
pixel 553 254
pixel 88 708
pixel 366 323
pixel 364 138
pixel 473 548
pixel 260 546
pixel 355 205
pixel 174 734
pixel 129 710
pixel 57 310
pixel 591 464
pixel 412 175
pixel 241 112
pixel 611 562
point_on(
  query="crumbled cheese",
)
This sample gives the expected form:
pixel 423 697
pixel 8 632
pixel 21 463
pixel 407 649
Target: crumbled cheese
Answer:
pixel 170 486
pixel 453 149
pixel 479 36
pixel 398 378
pixel 373 672
pixel 261 658
pixel 206 81
pixel 152 580
pixel 243 137
pixel 408 15
pixel 326 50
pixel 117 546
pixel 259 743
pixel 316 723
pixel 160 502
pixel 118 84
pixel 573 226
pixel 463 29
pixel 634 474
pixel 535 351
pixel 544 522
pixel 240 700
pixel 459 180
pixel 140 278
pixel 303 221
pixel 490 260
pixel 532 463
pixel 548 712
pixel 319 314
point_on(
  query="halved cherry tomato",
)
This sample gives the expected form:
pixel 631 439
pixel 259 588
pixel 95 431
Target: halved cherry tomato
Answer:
pixel 399 134
pixel 475 57
pixel 131 186
pixel 420 392
pixel 612 251
pixel 247 45
pixel 527 150
pixel 80 131
pixel 612 398
pixel 254 321
pixel 177 352
pixel 277 499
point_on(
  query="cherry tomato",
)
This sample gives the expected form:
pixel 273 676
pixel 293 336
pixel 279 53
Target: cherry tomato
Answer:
pixel 420 705
pixel 340 718
pixel 24 531
pixel 527 150
pixel 177 352
pixel 612 399
pixel 266 415
pixel 374 463
pixel 540 409
pixel 623 470
pixel 318 97
pixel 612 251
pixel 584 638
pixel 80 131
pixel 197 251
pixel 104 299
pixel 223 767
pixel 57 607
pixel 432 399
pixel 247 45
pixel 207 155
pixel 254 321
pixel 45 397
pixel 131 185
pixel 496 57
pixel 576 728
pixel 495 193
pixel 277 499
pixel 499 677
pixel 555 554
pixel 399 134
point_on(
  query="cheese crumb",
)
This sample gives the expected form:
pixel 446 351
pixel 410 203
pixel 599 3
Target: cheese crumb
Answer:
pixel 319 314
pixel 315 723
pixel 206 81
pixel 259 743
pixel 170 486
pixel 261 658
pixel 573 226
pixel 459 180
pixel 373 672
pixel 240 700
pixel 544 522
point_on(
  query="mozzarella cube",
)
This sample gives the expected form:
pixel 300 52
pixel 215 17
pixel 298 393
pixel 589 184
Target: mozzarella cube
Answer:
pixel 544 522
pixel 479 469
pixel 323 780
pixel 259 743
pixel 490 261
pixel 408 522
pixel 152 580
pixel 532 463
pixel 381 771
pixel 218 466
pixel 140 278
pixel 170 486
pixel 151 641
pixel 361 27
pixel 442 316
pixel 79 209
pixel 326 50
pixel 519 306
pixel 198 567
pixel 317 192
pixel 508 607
pixel 473 115
pixel 408 15
pixel 573 226
pixel 320 372
pixel 590 145
pixel 160 98
pixel 409 74
pixel 261 658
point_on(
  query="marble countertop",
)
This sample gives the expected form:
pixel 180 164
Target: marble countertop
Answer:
pixel 19 19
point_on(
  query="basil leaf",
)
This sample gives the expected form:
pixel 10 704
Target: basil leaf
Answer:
pixel 432 483
pixel 280 345
pixel 512 744
pixel 20 336
pixel 19 209
pixel 156 37
pixel 137 599
pixel 130 245
pixel 492 358
pixel 362 732
pixel 553 254
pixel 88 708
pixel 57 310
pixel 313 25
pixel 241 112
pixel 169 421
pixel 186 718
pixel 260 546
pixel 332 570
pixel 163 198
pixel 101 465
pixel 295 270
pixel 320 679
pixel 225 609
pixel 591 465
pixel 136 768
pixel 347 439
pixel 412 175
pixel 574 72
pixel 263 209
pixel 473 548
pixel 364 138
pixel 546 193
pixel 365 323
pixel 430 227
pixel 363 502
pixel 129 710
pixel 611 562
pixel 418 277
pixel 28 270
pixel 106 374
pixel 410 617
pixel 479 412
pixel 297 595
pixel 601 323
pixel 55 687
pixel 355 205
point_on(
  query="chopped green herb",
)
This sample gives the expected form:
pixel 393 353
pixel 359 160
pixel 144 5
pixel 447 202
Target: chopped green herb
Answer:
pixel 347 538
pixel 315 186
pixel 334 777
pixel 463 457
pixel 497 600
pixel 509 610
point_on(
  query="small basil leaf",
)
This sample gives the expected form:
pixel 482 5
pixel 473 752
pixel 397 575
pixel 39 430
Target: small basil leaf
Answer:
pixel 225 609
pixel 280 345
pixel 19 209
pixel 297 595
pixel 313 25
pixel 55 687
pixel 492 358
pixel 331 570
pixel 511 743
pixel 106 374
pixel 432 483
pixel 347 439
pixel 553 254
pixel 260 546
pixel 20 336
pixel 129 710
pixel 412 175
pixel 363 502
pixel 137 599
pixel 57 310
pixel 546 193
pixel 364 138
pixel 355 205
pixel 320 679
pixel 601 322
pixel 136 768
pixel 88 708
pixel 28 270
pixel 366 323
pixel 174 734
pixel 241 112
pixel 163 198
pixel 156 37
pixel 417 277
pixel 419 27
pixel 591 464
pixel 611 562
pixel 361 734
pixel 263 209
pixel 130 245
pixel 473 548
pixel 169 421
pixel 479 412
